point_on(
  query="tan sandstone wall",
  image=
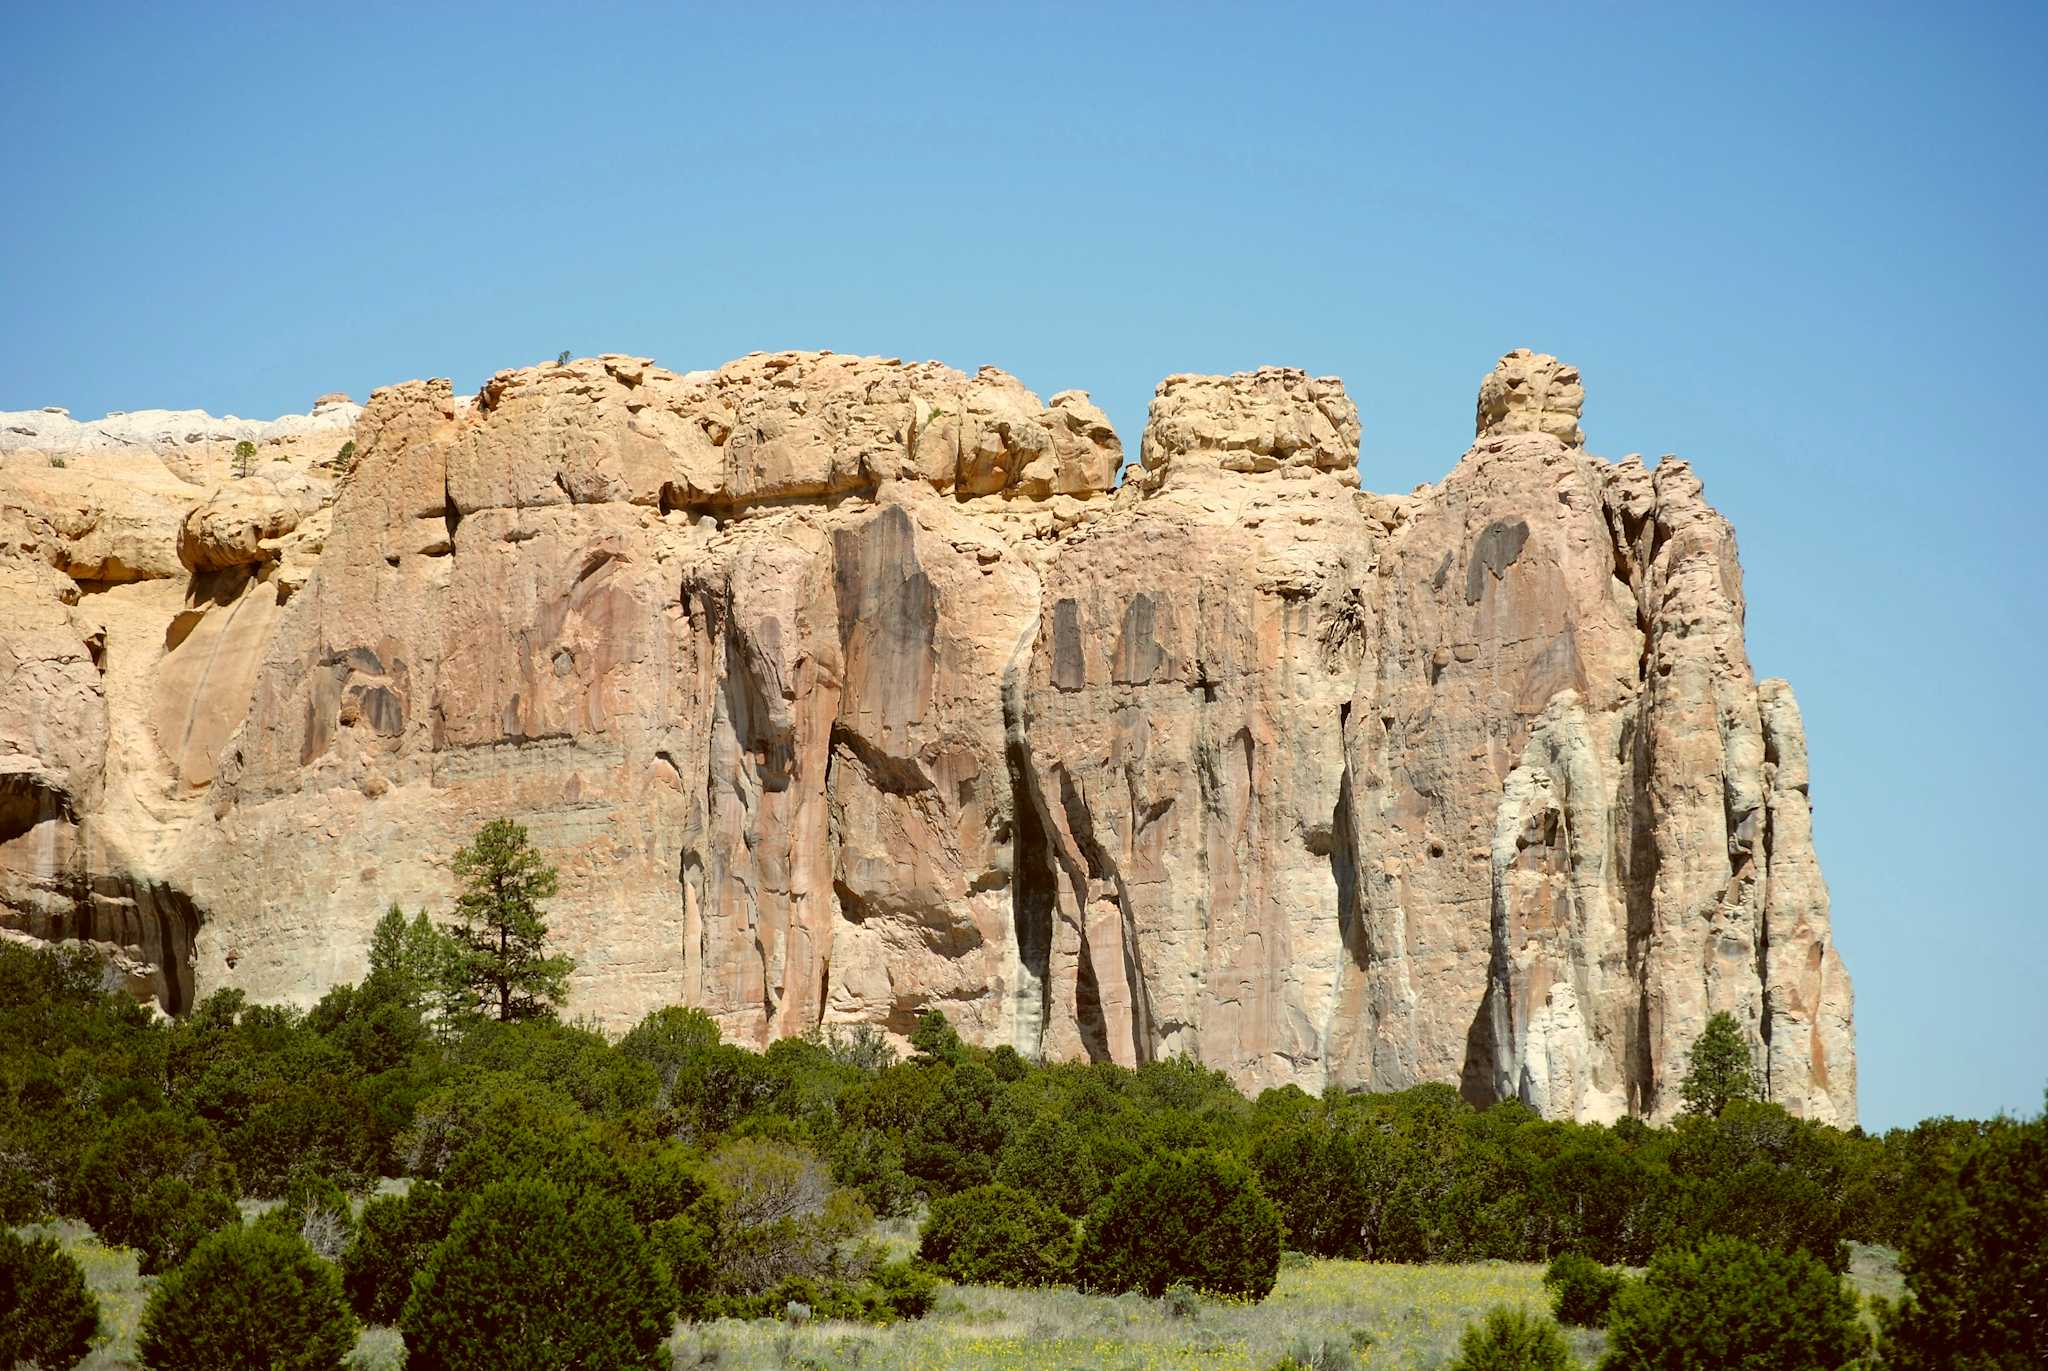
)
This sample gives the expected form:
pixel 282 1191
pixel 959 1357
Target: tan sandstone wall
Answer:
pixel 842 687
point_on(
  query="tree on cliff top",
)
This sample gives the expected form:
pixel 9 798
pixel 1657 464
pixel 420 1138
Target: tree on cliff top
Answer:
pixel 498 963
pixel 1719 1068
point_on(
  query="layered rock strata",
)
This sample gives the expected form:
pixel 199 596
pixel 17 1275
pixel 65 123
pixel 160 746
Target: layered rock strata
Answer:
pixel 839 688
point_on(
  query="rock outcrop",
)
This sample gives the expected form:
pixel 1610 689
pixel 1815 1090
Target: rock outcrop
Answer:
pixel 841 687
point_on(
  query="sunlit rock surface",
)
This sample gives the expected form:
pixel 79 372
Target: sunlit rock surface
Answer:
pixel 842 687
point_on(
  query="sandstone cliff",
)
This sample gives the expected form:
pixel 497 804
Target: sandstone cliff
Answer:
pixel 842 687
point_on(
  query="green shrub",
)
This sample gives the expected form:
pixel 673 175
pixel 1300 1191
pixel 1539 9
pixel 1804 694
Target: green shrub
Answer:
pixel 395 1235
pixel 156 1181
pixel 487 1107
pixel 1046 1157
pixel 1193 1217
pixel 906 1287
pixel 685 1248
pixel 1581 1290
pixel 170 1219
pixel 1311 1353
pixel 1513 1339
pixel 956 1140
pixel 1976 1263
pixel 523 1284
pixel 1730 1303
pixel 1312 1172
pixel 318 1124
pixel 47 1316
pixel 1754 1172
pixel 994 1235
pixel 892 1292
pixel 776 1213
pixel 318 1211
pixel 248 1297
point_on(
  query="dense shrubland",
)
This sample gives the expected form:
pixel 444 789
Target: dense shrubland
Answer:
pixel 697 1178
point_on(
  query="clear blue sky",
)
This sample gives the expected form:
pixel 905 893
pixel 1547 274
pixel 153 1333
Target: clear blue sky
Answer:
pixel 1805 252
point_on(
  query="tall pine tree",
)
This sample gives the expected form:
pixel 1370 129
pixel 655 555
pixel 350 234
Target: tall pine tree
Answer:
pixel 1719 1068
pixel 497 962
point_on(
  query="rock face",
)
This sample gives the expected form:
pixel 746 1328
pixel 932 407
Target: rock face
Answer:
pixel 839 688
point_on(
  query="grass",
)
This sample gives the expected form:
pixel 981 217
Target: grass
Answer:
pixel 111 1273
pixel 1413 1316
pixel 1408 1318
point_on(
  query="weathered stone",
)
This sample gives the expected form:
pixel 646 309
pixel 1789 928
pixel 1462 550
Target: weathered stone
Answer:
pixel 1532 392
pixel 841 687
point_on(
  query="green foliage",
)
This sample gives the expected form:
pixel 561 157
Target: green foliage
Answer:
pixel 774 1213
pixel 1976 1262
pixel 407 959
pixel 1755 1172
pixel 905 1288
pixel 318 1123
pixel 47 1315
pixel 395 1234
pixel 157 1182
pixel 954 1144
pixel 317 1211
pixel 1889 1180
pixel 895 1291
pixel 345 457
pixel 1049 1158
pixel 996 1235
pixel 1719 1068
pixel 685 1245
pixel 1599 1194
pixel 245 458
pixel 1581 1289
pixel 703 1086
pixel 1312 1353
pixel 1729 1303
pixel 861 1047
pixel 1312 1170
pixel 523 1283
pixel 576 1061
pixel 248 1297
pixel 934 1039
pixel 1510 1338
pixel 749 1170
pixel 1197 1218
pixel 170 1218
pixel 497 963
pixel 480 1105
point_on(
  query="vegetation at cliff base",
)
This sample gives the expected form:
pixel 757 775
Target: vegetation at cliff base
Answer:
pixel 248 1297
pixel 429 1149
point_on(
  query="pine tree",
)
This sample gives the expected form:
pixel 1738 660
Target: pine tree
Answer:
pixel 1719 1068
pixel 407 959
pixel 497 961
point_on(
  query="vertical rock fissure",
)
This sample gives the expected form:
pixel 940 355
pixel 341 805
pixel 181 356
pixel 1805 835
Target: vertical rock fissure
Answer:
pixel 1033 887
pixel 1639 891
pixel 451 514
pixel 1768 847
pixel 1081 825
pixel 1344 867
